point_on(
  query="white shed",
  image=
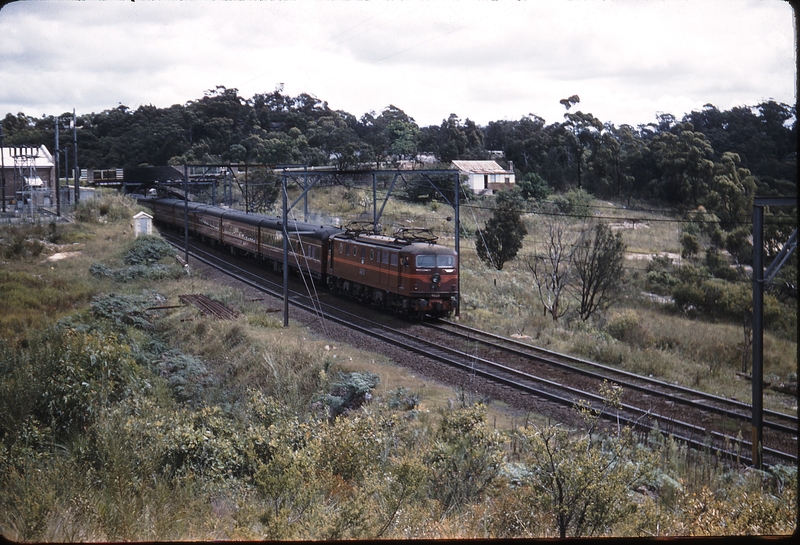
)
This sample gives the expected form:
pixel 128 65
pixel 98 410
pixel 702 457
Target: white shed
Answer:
pixel 486 176
pixel 142 224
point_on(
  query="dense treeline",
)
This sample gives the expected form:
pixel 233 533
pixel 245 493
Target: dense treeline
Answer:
pixel 715 159
pixel 705 155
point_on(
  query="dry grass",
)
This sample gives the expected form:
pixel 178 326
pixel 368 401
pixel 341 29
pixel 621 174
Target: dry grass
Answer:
pixel 694 352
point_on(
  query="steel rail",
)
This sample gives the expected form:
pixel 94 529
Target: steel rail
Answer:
pixel 571 363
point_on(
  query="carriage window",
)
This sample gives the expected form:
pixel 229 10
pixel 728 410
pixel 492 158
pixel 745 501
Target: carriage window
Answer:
pixel 385 257
pixel 371 254
pixel 446 261
pixel 341 247
pixel 363 252
pixel 426 261
pixel 394 260
pixel 355 251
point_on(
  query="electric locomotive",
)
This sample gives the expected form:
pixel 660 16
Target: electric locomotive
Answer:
pixel 407 272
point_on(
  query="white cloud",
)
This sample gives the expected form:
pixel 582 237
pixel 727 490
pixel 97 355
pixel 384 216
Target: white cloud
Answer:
pixel 485 61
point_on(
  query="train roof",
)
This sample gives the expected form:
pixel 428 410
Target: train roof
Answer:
pixel 428 248
pixel 272 222
pixel 394 243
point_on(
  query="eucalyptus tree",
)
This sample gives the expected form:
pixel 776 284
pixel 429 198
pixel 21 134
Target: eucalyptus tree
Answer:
pixel 23 130
pixel 392 135
pixel 604 167
pixel 581 134
pixel 685 166
pixel 524 141
pixel 732 192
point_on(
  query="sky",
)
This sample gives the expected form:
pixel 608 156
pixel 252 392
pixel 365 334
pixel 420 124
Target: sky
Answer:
pixel 627 60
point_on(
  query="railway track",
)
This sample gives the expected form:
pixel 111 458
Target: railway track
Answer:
pixel 549 376
pixel 680 395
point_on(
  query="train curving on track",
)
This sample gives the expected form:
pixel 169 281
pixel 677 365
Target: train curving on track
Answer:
pixel 407 272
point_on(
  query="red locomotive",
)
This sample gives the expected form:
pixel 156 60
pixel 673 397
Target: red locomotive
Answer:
pixel 407 272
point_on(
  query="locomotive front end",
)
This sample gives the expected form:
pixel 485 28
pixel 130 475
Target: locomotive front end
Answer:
pixel 430 278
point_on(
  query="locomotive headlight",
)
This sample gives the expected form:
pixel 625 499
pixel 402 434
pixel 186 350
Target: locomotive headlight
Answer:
pixel 436 278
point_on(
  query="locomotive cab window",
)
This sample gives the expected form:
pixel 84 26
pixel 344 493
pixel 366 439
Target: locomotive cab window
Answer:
pixel 446 261
pixel 426 261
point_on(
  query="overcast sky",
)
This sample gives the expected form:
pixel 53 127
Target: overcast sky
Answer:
pixel 627 60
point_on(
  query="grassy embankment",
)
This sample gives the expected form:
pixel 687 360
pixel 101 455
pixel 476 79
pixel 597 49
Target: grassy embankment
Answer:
pixel 123 423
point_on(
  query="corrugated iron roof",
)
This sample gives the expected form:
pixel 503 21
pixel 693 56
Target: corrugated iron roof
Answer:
pixel 480 167
pixel 40 157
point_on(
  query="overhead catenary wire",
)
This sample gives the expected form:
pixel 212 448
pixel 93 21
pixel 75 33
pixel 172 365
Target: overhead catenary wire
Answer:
pixel 312 289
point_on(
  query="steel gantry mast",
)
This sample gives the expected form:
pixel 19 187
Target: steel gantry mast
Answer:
pixel 760 280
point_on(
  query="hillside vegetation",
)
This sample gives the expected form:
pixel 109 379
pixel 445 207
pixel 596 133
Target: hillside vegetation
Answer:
pixel 122 418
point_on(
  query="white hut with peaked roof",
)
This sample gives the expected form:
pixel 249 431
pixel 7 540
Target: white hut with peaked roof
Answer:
pixel 486 177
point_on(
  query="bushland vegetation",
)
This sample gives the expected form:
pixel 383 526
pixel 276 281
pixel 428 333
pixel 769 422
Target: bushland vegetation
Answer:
pixel 123 420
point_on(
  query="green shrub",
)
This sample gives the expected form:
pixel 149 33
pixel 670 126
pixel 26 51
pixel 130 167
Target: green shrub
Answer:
pixel 690 246
pixel 576 202
pixel 349 392
pixel 533 187
pixel 147 249
pixel 628 327
pixel 659 263
pixel 23 241
pixel 65 378
pixel 402 399
pixel 465 459
pixel 729 301
pixel 125 309
pixel 718 266
pixel 204 442
pixel 186 375
pixel 660 282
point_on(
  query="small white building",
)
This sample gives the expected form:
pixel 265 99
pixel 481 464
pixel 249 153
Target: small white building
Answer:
pixel 486 177
pixel 142 224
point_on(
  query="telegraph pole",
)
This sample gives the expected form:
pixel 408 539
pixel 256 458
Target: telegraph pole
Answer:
pixel 75 152
pixel 186 212
pixel 58 177
pixel 3 167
